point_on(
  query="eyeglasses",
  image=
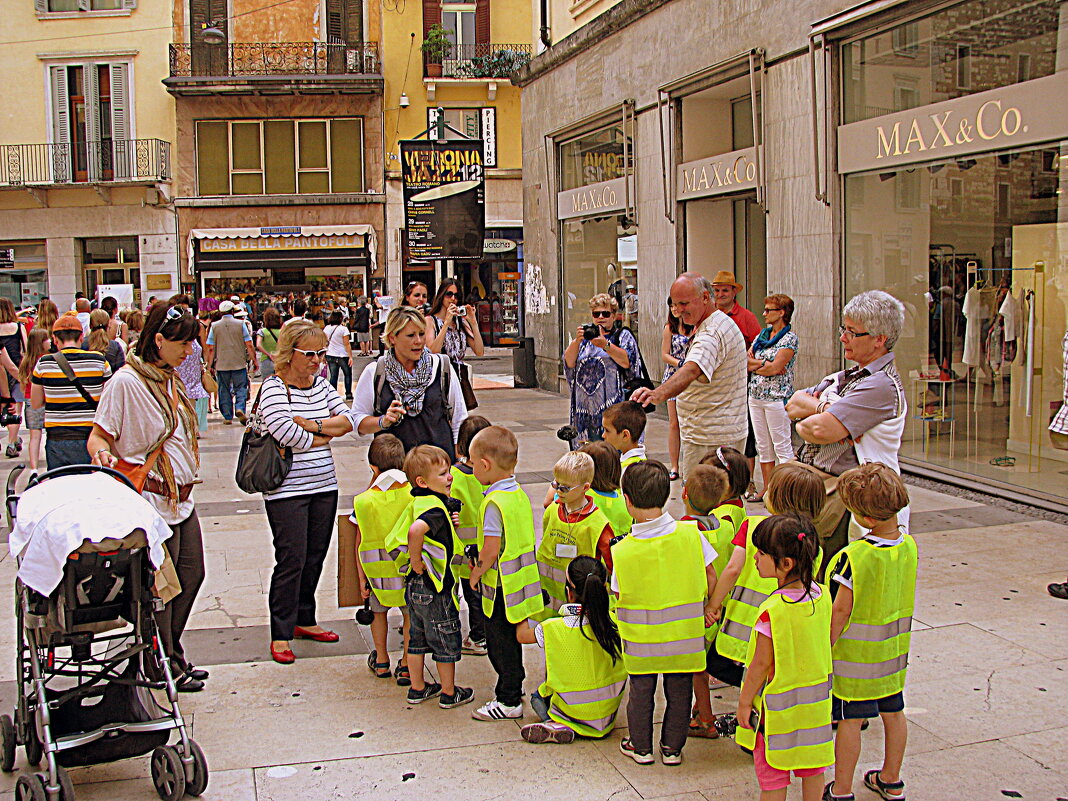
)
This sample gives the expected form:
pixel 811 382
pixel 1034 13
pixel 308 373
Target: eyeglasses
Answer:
pixel 311 353
pixel 563 489
pixel 768 311
pixel 849 336
pixel 450 294
pixel 605 314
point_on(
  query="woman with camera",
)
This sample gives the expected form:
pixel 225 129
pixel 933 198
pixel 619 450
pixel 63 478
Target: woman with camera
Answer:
pixel 600 360
pixel 450 328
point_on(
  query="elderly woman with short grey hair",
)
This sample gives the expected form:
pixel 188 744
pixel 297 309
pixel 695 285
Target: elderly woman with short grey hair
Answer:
pixel 856 415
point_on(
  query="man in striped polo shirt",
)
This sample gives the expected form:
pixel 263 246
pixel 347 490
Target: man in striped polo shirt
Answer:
pixel 69 404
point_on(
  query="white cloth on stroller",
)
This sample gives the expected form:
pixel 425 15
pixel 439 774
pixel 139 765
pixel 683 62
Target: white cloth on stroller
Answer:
pixel 56 516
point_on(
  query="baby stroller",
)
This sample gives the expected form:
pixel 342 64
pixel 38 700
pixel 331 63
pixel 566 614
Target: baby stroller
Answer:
pixel 89 657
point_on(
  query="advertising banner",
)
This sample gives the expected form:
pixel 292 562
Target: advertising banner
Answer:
pixel 444 198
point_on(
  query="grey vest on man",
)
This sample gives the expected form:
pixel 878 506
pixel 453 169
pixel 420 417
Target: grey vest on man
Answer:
pixel 230 350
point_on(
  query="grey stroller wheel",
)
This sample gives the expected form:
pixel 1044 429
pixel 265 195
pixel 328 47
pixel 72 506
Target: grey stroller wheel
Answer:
pixel 30 788
pixel 66 786
pixel 199 782
pixel 7 744
pixel 34 749
pixel 168 773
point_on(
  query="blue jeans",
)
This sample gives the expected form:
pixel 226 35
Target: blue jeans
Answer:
pixel 63 452
pixel 235 382
pixel 340 364
pixel 540 705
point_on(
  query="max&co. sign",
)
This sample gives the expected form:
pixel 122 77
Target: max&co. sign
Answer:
pixel 727 172
pixel 606 197
pixel 1013 116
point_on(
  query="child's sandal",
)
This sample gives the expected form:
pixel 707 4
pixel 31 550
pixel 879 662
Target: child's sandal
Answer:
pixel 403 677
pixel 703 728
pixel 380 669
pixel 873 781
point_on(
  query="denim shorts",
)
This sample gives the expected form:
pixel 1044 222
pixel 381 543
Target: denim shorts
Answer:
pixel 859 710
pixel 435 621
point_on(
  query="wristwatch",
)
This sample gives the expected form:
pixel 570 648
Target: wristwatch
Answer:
pixel 319 426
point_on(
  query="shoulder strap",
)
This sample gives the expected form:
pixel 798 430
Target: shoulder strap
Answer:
pixel 380 382
pixel 446 385
pixel 68 371
pixel 256 403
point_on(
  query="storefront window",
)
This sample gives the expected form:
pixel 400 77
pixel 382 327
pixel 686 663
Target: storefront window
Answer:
pixel 594 158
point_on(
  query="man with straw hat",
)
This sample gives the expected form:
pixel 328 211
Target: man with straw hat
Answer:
pixel 725 290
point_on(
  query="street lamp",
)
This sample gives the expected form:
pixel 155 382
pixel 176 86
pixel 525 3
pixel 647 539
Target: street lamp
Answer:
pixel 212 34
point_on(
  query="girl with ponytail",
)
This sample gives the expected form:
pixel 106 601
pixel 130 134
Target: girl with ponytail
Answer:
pixel 584 672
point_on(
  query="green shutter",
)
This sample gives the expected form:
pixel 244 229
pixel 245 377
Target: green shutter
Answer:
pixel 213 169
pixel 279 157
pixel 346 155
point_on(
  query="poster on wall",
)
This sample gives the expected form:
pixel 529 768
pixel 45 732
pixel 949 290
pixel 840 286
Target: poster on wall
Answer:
pixel 123 293
pixel 444 198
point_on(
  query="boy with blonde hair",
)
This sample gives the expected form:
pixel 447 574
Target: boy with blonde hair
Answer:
pixel 506 569
pixel 571 526
pixel 374 511
pixel 873 584
pixel 424 542
pixel 624 425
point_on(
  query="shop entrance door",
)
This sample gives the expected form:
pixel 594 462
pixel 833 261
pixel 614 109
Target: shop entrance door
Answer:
pixel 729 234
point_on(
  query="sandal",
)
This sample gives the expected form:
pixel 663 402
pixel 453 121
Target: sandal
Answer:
pixel 673 475
pixel 12 451
pixel 403 677
pixel 1058 590
pixel 873 781
pixel 380 669
pixel 703 728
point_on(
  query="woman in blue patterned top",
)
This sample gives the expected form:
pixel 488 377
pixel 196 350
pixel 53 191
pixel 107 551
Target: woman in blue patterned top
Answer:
pixel 596 369
pixel 771 369
pixel 673 351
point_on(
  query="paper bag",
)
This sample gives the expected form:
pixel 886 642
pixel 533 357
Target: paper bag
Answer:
pixel 348 585
pixel 167 586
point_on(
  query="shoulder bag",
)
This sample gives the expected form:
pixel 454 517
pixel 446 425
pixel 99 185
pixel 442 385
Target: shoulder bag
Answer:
pixel 207 380
pixel 639 381
pixel 262 464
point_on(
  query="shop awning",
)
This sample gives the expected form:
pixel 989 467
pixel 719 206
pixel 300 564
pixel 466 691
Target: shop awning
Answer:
pixel 370 241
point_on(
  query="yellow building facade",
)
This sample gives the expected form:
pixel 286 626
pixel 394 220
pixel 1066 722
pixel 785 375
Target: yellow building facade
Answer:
pixel 85 150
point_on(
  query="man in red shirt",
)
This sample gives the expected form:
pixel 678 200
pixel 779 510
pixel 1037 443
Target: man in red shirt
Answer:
pixel 726 291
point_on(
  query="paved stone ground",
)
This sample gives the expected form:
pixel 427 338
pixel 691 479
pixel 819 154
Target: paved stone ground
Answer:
pixel 986 696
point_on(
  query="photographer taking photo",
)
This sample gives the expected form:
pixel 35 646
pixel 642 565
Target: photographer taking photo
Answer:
pixel 450 329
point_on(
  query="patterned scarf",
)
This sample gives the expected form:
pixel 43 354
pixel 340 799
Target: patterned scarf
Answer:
pixel 157 381
pixel 410 388
pixel 766 340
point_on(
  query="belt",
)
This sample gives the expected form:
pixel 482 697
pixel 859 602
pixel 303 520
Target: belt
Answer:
pixel 157 487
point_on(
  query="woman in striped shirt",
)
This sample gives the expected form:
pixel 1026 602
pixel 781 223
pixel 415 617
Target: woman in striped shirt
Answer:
pixel 301 511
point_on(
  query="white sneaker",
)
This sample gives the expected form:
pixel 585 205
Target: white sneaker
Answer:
pixel 495 710
pixel 474 647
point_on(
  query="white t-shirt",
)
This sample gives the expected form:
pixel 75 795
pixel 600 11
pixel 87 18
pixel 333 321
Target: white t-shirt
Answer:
pixel 714 409
pixel 132 416
pixel 336 336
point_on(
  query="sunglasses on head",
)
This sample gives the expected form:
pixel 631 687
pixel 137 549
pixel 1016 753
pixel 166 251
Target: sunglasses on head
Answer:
pixel 605 314
pixel 311 353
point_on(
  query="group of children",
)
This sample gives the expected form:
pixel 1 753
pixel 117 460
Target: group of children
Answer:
pixel 617 592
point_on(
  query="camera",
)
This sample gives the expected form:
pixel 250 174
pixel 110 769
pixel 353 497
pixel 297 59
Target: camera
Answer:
pixel 591 331
pixel 471 552
pixel 567 433
pixel 461 311
pixel 425 309
pixel 7 417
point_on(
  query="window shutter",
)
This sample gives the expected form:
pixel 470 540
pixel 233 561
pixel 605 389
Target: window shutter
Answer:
pixel 353 21
pixel 122 145
pixel 40 6
pixel 60 124
pixel 482 22
pixel 335 21
pixel 431 14
pixel 93 134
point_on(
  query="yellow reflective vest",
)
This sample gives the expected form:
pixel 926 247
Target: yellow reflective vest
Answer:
pixel 560 543
pixel 662 591
pixel 435 555
pixel 376 512
pixel 872 653
pixel 719 534
pixel 466 489
pixel 584 686
pixel 515 573
pixel 795 704
pixel 615 509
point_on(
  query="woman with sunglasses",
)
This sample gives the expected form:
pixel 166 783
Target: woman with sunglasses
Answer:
pixel 450 329
pixel 301 411
pixel 146 416
pixel 598 368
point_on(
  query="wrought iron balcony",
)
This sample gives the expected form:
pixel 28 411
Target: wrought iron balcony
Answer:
pixel 494 61
pixel 273 59
pixel 96 162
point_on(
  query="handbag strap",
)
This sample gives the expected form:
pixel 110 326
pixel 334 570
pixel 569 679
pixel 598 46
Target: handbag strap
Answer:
pixel 256 403
pixel 68 371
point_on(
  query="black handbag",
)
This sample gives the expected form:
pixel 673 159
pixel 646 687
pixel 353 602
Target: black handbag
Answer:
pixel 262 464
pixel 639 381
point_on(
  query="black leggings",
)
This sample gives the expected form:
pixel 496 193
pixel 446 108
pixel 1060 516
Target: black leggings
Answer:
pixel 302 527
pixel 186 547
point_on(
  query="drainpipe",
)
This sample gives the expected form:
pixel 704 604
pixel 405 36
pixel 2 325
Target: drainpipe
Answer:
pixel 546 39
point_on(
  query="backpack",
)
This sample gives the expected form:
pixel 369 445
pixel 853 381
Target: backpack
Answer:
pixel 444 376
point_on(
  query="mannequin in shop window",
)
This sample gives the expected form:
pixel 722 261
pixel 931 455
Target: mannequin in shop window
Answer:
pixel 450 329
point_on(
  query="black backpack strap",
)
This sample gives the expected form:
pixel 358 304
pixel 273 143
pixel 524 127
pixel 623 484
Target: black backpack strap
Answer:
pixel 68 371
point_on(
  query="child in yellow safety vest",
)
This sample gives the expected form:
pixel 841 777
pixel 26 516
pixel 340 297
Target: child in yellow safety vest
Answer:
pixel 624 427
pixel 467 489
pixel 784 707
pixel 571 526
pixel 604 489
pixel 873 586
pixel 584 672
pixel 663 577
pixel 733 462
pixel 741 589
pixel 374 512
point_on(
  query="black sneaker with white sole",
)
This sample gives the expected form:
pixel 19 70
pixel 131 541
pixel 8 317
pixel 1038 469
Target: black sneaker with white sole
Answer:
pixel 431 689
pixel 459 697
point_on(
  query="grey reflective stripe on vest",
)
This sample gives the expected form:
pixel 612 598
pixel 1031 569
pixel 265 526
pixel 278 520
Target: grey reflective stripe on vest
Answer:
pixel 524 593
pixel 600 724
pixel 395 583
pixel 780 702
pixel 375 555
pixel 457 559
pixel 654 617
pixel 488 591
pixel 396 553
pixel 606 693
pixel 871 670
pixel 799 739
pixel 550 572
pixel 732 628
pixel 692 645
pixel 436 551
pixel 869 632
pixel 515 565
pixel 748 596
pixel 467 535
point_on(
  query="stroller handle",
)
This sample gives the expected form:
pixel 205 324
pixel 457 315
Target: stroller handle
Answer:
pixel 84 469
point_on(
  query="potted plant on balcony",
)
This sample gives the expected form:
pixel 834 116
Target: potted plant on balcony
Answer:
pixel 436 47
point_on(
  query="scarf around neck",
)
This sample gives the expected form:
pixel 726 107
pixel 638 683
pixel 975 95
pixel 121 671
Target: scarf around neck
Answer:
pixel 157 381
pixel 410 388
pixel 765 339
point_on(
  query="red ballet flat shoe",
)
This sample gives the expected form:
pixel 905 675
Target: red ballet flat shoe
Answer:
pixel 321 636
pixel 284 657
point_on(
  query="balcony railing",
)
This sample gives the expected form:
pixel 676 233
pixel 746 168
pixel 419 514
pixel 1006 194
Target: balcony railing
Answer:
pixel 248 59
pixel 102 161
pixel 480 61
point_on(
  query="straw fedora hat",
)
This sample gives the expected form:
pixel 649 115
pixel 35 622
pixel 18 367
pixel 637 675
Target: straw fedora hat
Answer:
pixel 724 277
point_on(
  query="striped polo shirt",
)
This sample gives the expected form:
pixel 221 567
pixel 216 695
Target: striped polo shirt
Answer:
pixel 67 414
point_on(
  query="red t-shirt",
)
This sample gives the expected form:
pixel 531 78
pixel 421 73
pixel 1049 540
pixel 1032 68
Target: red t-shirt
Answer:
pixel 746 322
pixel 741 535
pixel 603 541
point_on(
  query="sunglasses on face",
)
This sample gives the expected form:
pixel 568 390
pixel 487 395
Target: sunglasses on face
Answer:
pixel 605 314
pixel 450 294
pixel 311 353
pixel 563 489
